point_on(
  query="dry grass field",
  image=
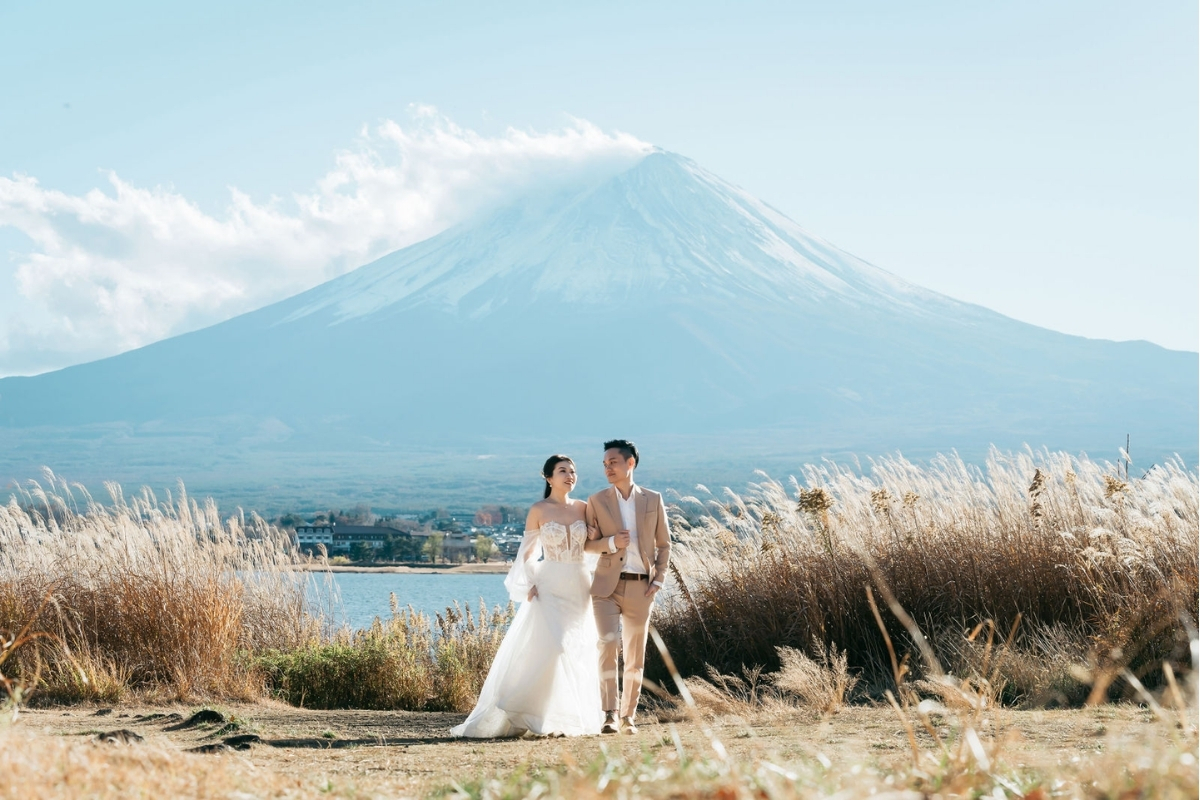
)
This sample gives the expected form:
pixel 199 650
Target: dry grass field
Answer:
pixel 1024 629
pixel 1075 572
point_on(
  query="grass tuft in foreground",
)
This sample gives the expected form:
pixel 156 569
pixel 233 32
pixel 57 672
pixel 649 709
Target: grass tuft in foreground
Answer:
pixel 1159 769
pixel 953 753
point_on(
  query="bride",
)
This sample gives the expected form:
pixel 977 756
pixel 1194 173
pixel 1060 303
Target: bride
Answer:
pixel 545 677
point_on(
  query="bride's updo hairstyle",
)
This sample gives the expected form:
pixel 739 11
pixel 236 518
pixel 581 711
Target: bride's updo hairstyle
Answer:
pixel 548 470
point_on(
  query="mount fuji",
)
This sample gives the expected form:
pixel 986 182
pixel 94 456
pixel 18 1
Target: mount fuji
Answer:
pixel 660 303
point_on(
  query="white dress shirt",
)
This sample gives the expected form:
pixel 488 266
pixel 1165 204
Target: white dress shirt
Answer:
pixel 633 554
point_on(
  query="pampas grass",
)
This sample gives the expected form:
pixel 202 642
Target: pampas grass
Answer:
pixel 1094 573
pixel 822 683
pixel 171 600
pixel 145 594
pixel 1040 575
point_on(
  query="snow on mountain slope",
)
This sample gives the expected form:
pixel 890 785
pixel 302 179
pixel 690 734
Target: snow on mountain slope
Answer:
pixel 664 227
pixel 655 301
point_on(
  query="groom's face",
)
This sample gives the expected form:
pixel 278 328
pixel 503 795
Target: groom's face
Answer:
pixel 616 466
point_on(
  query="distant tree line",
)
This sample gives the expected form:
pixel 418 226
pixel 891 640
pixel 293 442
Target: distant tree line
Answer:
pixel 438 519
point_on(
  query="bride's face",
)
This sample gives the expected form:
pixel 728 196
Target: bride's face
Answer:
pixel 563 478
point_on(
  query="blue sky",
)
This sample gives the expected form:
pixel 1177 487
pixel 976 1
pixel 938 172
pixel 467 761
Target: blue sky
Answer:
pixel 1038 158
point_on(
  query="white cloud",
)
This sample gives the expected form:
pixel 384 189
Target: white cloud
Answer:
pixel 110 271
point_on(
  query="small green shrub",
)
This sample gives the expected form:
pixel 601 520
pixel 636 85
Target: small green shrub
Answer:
pixel 404 662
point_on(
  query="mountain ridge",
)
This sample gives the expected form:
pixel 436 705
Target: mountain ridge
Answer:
pixel 667 302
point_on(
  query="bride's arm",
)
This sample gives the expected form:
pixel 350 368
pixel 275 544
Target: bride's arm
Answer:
pixel 594 543
pixel 589 516
pixel 533 521
pixel 533 552
pixel 533 529
pixel 520 581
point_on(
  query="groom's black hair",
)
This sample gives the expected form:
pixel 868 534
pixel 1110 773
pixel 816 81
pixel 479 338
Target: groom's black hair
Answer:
pixel 628 449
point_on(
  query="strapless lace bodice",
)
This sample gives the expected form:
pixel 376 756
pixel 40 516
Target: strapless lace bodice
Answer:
pixel 552 543
pixel 562 543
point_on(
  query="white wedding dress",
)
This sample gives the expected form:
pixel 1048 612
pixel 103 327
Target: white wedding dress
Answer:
pixel 545 676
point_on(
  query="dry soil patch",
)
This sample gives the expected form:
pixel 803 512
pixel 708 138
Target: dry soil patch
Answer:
pixel 410 754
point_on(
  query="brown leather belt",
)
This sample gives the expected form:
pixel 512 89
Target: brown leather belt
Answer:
pixel 633 576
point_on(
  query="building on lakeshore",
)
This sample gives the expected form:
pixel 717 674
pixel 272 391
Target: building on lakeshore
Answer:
pixel 455 546
pixel 311 537
pixel 340 538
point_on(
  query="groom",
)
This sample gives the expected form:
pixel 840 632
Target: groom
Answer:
pixel 634 548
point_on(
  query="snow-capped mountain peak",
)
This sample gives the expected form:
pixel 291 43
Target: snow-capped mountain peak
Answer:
pixel 664 225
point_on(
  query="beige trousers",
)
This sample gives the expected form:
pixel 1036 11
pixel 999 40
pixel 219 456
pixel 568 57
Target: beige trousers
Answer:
pixel 622 619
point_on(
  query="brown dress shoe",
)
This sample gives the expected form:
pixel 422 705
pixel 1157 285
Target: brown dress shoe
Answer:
pixel 627 725
pixel 610 722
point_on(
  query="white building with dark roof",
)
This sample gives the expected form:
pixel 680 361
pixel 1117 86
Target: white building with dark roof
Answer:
pixel 340 538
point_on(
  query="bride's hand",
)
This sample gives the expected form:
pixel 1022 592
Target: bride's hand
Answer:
pixel 532 592
pixel 593 531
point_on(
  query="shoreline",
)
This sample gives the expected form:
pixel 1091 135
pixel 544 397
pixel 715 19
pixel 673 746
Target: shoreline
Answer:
pixel 500 568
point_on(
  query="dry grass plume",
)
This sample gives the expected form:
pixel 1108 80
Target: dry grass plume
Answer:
pixel 1091 574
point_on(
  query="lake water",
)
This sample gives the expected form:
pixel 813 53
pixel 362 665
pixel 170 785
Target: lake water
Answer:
pixel 365 594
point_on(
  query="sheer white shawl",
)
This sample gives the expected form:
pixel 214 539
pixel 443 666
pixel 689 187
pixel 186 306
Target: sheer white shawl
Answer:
pixel 523 575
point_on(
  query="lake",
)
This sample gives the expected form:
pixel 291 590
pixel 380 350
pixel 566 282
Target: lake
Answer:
pixel 365 594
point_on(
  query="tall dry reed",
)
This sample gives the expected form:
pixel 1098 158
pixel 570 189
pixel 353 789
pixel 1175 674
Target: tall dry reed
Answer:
pixel 169 598
pixel 1092 573
pixel 145 594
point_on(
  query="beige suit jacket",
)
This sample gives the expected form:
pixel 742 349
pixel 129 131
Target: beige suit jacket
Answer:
pixel 654 538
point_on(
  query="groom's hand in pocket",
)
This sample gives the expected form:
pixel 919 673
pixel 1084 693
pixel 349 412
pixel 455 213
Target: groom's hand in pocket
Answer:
pixel 652 589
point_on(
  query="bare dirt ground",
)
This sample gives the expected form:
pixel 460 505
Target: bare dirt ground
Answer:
pixel 405 754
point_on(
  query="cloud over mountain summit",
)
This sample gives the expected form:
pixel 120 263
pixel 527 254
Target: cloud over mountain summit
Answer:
pixel 111 270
